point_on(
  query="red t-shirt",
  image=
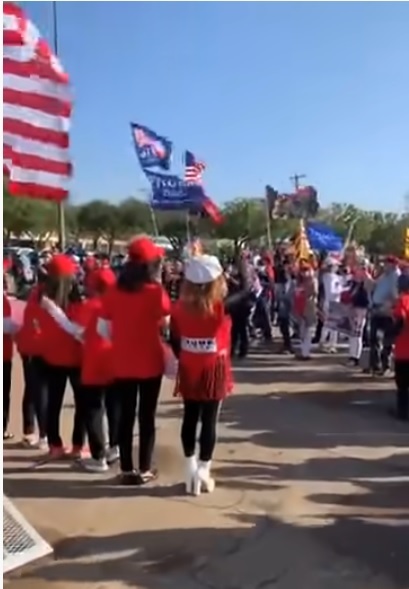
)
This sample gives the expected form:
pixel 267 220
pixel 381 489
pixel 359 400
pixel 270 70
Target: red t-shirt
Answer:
pixel 28 339
pixel 7 339
pixel 136 319
pixel 58 347
pixel 97 351
pixel 401 311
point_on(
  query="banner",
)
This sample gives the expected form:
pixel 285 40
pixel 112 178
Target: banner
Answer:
pixel 169 192
pixel 339 318
pixel 153 150
pixel 323 238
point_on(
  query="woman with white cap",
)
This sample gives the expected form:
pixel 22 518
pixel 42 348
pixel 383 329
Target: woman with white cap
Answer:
pixel 200 332
pixel 332 287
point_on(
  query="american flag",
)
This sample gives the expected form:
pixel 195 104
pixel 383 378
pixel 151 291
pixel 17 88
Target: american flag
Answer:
pixel 193 169
pixel 36 113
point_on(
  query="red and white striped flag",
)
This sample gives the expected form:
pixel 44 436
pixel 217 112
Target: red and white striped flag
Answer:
pixel 36 112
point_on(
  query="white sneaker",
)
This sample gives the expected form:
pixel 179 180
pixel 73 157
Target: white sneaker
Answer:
pixel 190 474
pixel 112 454
pixel 93 465
pixel 203 480
pixel 42 444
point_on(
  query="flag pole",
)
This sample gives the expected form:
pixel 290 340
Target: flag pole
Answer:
pixel 268 225
pixel 60 205
pixel 188 232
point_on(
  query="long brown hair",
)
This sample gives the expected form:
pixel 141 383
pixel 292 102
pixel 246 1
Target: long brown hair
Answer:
pixel 58 289
pixel 203 298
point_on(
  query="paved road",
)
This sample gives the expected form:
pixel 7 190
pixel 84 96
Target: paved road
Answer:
pixel 312 492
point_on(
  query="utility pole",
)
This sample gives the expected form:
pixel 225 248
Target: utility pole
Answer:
pixel 296 180
pixel 60 205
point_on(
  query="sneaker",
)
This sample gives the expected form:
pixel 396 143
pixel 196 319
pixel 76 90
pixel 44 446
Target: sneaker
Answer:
pixel 42 444
pixel 78 453
pixel 112 454
pixel 94 465
pixel 29 441
pixel 57 452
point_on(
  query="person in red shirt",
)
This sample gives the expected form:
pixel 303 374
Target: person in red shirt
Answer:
pixel 132 315
pixel 401 327
pixel 62 318
pixel 200 337
pixel 9 328
pixel 28 342
pixel 97 379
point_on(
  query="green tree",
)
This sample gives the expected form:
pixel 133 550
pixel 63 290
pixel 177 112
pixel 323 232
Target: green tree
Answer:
pixel 135 217
pixel 98 219
pixel 29 216
pixel 243 221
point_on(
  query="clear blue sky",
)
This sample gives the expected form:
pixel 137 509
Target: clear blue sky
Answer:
pixel 257 90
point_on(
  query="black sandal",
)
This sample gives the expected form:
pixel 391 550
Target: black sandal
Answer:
pixel 147 477
pixel 129 479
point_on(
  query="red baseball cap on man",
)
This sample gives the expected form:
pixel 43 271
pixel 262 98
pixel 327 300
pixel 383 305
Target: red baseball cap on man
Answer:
pixel 143 249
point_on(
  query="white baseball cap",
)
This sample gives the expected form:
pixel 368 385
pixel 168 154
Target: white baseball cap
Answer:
pixel 202 269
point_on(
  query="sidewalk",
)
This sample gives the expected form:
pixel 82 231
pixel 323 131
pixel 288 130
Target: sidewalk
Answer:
pixel 312 481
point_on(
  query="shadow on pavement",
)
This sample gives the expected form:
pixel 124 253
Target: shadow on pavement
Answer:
pixel 255 551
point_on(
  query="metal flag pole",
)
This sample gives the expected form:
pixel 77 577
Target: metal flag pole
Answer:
pixel 60 205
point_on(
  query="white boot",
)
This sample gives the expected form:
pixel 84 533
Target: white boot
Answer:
pixel 203 480
pixel 190 474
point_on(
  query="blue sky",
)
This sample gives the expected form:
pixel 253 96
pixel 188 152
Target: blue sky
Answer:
pixel 257 90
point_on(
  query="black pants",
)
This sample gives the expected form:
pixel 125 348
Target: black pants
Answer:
pixel 261 317
pixel 380 352
pixel 56 379
pixel 96 400
pixel 207 412
pixel 402 386
pixel 239 335
pixel 318 331
pixel 35 396
pixel 127 391
pixel 284 326
pixel 7 366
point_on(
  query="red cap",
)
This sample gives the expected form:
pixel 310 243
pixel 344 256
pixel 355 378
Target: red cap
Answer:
pixel 102 278
pixel 61 265
pixel 143 249
pixel 90 263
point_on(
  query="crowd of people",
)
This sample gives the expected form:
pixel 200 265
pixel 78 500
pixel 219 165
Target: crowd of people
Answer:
pixel 110 334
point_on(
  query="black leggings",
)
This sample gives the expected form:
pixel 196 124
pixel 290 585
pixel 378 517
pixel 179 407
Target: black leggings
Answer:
pixel 127 391
pixel 96 399
pixel 56 379
pixel 402 385
pixel 6 393
pixel 207 412
pixel 35 396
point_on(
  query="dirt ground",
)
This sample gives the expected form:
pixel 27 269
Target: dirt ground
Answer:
pixel 312 491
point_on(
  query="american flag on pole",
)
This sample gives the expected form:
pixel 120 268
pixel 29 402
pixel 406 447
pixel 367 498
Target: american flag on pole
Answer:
pixel 193 169
pixel 36 112
pixel 193 177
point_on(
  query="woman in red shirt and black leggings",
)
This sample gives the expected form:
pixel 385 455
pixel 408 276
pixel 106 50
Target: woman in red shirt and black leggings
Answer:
pixel 61 324
pixel 132 315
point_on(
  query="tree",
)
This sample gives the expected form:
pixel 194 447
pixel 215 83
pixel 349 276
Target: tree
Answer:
pixel 99 219
pixel 243 220
pixel 29 216
pixel 135 216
